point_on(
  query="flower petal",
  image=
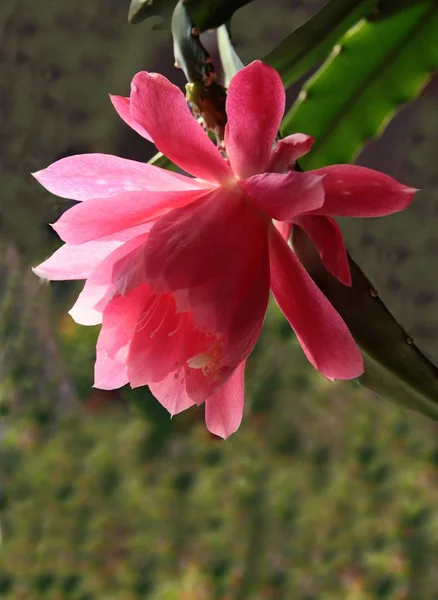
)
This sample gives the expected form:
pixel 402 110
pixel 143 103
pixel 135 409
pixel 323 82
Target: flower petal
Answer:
pixel 103 217
pixel 161 109
pixel 224 410
pixel 283 196
pixel 78 262
pixel 109 373
pixel 120 320
pixel 255 106
pixel 288 150
pixel 75 262
pixel 327 238
pixel 352 191
pixel 213 256
pixel 171 392
pixel 122 106
pixel 322 333
pixel 86 176
pixel 101 285
pixel 284 227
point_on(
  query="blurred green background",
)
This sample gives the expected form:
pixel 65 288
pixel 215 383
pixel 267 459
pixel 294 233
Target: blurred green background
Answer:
pixel 325 492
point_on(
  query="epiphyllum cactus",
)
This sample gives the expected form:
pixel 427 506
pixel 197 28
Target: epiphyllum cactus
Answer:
pixel 178 269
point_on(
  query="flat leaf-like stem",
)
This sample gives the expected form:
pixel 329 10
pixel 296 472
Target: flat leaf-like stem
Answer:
pixel 206 14
pixel 395 369
pixel 374 69
pixel 314 40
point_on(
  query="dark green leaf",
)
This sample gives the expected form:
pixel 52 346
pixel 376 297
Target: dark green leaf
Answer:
pixel 313 41
pixel 387 8
pixel 206 14
pixel 395 368
pixel 375 68
pixel 140 10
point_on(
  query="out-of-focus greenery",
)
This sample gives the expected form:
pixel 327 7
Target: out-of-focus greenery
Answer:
pixel 324 492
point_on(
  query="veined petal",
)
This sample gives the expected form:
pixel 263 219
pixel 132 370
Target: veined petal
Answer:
pixel 123 108
pixel 212 255
pixel 327 238
pixel 322 333
pixel 78 262
pixel 120 319
pixel 86 176
pixel 101 285
pixel 75 262
pixel 224 409
pixel 171 392
pixel 288 150
pixel 109 373
pixel 283 196
pixel 255 106
pixel 102 217
pixel 352 191
pixel 161 109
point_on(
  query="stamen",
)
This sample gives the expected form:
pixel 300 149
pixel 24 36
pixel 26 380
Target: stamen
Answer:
pixel 162 320
pixel 146 317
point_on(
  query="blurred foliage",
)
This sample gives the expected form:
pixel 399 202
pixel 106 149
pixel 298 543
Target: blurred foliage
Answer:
pixel 321 494
pixel 373 69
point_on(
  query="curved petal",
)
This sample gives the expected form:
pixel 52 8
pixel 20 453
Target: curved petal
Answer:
pixel 213 256
pixel 288 150
pixel 284 227
pixel 120 320
pixel 322 333
pixel 109 373
pixel 101 285
pixel 255 106
pixel 352 191
pixel 224 409
pixel 161 109
pixel 75 262
pixel 78 262
pixel 87 176
pixel 283 196
pixel 327 238
pixel 103 217
pixel 122 106
pixel 171 392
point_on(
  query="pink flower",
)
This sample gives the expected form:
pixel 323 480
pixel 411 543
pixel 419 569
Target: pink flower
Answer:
pixel 178 269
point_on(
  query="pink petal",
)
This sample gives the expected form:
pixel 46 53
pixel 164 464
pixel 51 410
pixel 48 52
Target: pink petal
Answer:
pixel 108 216
pixel 109 373
pixel 284 228
pixel 86 176
pixel 161 109
pixel 160 342
pixel 120 320
pixel 287 151
pixel 100 286
pixel 224 410
pixel 352 191
pixel 75 262
pixel 213 256
pixel 122 106
pixel 171 392
pixel 78 262
pixel 283 196
pixel 327 238
pixel 322 333
pixel 255 106
pixel 165 342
